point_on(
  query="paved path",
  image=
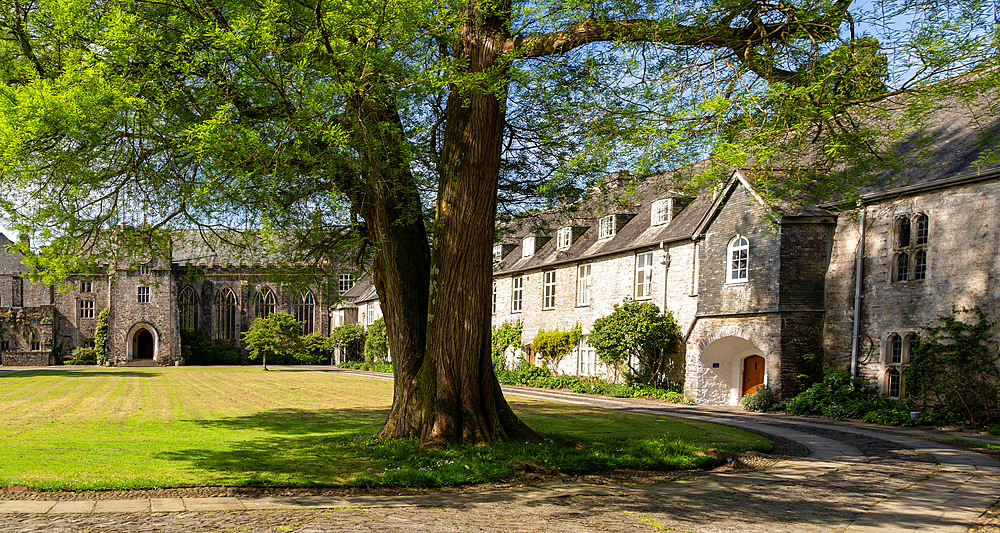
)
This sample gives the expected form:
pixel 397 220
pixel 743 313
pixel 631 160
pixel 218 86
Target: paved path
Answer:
pixel 858 478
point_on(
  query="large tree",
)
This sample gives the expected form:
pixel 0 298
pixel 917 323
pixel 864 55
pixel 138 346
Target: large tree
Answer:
pixel 402 117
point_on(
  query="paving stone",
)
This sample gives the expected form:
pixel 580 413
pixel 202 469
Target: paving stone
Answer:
pixel 73 507
pixel 213 504
pixel 121 506
pixel 166 505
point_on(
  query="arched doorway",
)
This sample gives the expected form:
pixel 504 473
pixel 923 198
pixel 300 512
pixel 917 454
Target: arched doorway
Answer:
pixel 723 378
pixel 143 344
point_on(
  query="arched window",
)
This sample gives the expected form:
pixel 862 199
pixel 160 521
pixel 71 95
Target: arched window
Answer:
pixel 920 265
pixel 263 303
pixel 738 252
pixel 188 304
pixel 225 315
pixel 895 350
pixel 923 229
pixel 303 309
pixel 894 382
pixel 902 270
pixel 902 232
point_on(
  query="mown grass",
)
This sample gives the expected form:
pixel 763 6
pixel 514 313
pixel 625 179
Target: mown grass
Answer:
pixel 86 429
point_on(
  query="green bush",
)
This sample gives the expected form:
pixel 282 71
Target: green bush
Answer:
pixel 541 377
pixel 277 335
pixel 83 356
pixel 369 366
pixel 994 430
pixel 350 338
pixel 841 396
pixel 504 336
pixel 636 331
pixel 761 400
pixel 315 350
pixel 198 349
pixel 376 342
pixel 554 345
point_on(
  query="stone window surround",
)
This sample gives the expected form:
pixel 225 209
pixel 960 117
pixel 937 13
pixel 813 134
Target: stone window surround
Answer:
pixel 516 294
pixel 86 308
pixel 738 260
pixel 143 294
pixel 896 345
pixel 549 290
pixel 188 304
pixel 643 289
pixel 304 310
pixel 264 302
pixel 909 237
pixel 584 278
pixel 225 315
pixel 143 269
pixel 86 286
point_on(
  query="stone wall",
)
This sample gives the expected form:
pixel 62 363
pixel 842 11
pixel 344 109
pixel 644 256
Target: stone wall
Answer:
pixel 19 327
pixel 128 315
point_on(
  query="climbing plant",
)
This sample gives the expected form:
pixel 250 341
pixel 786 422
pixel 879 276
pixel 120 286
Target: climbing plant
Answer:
pixel 953 369
pixel 101 336
pixel 554 345
pixel 504 336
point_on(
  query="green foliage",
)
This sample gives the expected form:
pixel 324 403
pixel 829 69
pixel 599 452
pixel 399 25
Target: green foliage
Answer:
pixel 541 377
pixel 198 349
pixel 369 366
pixel 953 370
pixel 350 338
pixel 841 396
pixel 277 334
pixel 994 430
pixel 762 399
pixel 638 338
pixel 504 336
pixel 376 342
pixel 83 356
pixel 554 345
pixel 101 335
pixel 316 350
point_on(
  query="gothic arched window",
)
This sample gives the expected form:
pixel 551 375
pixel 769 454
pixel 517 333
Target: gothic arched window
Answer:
pixel 263 303
pixel 225 315
pixel 303 308
pixel 188 304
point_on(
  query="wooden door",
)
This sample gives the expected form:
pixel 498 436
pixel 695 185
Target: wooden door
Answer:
pixel 753 373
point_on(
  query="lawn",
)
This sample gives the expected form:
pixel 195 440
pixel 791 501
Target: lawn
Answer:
pixel 86 429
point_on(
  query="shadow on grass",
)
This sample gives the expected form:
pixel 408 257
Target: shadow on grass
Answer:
pixel 81 372
pixel 297 447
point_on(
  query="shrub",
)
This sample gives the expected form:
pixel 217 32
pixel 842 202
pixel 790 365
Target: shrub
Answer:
pixel 315 350
pixel 762 399
pixel 535 376
pixel 83 356
pixel 198 349
pixel 841 396
pixel 638 332
pixel 376 342
pixel 369 366
pixel 101 336
pixel 351 339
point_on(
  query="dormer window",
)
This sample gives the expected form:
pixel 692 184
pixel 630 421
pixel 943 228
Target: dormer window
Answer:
pixel 606 227
pixel 661 212
pixel 528 247
pixel 564 238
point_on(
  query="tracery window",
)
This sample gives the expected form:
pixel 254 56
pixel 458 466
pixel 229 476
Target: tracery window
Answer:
pixel 910 239
pixel 263 303
pixel 304 310
pixel 898 350
pixel 902 266
pixel 738 253
pixel 225 315
pixel 188 304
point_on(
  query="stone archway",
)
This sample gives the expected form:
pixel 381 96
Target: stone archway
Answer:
pixel 143 342
pixel 723 365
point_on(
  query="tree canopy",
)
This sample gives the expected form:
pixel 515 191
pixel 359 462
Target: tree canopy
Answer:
pixel 409 122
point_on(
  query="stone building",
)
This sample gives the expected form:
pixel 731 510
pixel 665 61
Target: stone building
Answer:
pixel 765 295
pixel 192 286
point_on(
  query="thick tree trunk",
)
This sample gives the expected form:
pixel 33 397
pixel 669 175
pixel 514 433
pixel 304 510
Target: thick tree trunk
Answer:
pixel 448 391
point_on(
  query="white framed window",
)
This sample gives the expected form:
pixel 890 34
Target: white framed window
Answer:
pixel 738 254
pixel 606 227
pixel 661 212
pixel 494 298
pixel 564 238
pixel 345 282
pixel 587 359
pixel 583 273
pixel 86 286
pixel 643 275
pixel 143 269
pixel 549 290
pixel 86 309
pixel 528 247
pixel 143 295
pixel 517 294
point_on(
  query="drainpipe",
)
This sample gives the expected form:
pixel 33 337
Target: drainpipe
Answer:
pixel 666 277
pixel 858 283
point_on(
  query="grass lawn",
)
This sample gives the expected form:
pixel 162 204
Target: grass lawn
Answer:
pixel 85 429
